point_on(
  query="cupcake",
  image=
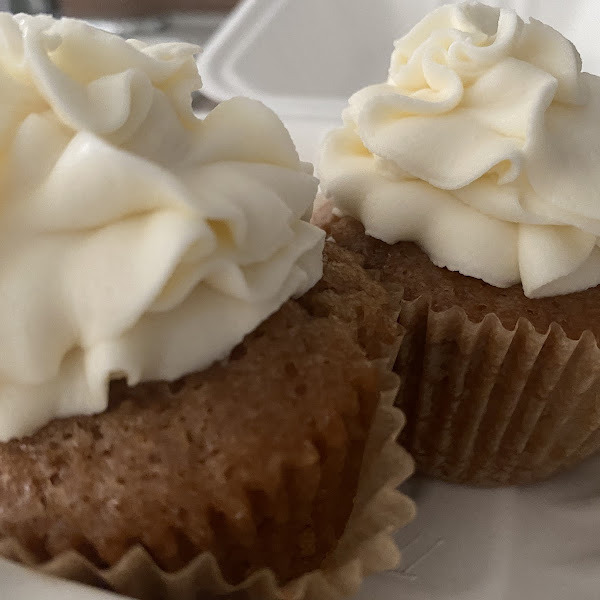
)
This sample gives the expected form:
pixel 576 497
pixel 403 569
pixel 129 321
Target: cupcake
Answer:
pixel 470 181
pixel 189 401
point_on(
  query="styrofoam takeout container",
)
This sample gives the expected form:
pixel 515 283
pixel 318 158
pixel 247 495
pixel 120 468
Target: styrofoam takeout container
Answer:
pixel 303 58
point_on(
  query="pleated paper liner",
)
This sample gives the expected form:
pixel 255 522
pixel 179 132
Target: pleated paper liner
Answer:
pixel 490 406
pixel 366 545
pixel 486 405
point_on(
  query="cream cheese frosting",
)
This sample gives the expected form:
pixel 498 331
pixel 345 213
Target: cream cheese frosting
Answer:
pixel 136 240
pixel 483 147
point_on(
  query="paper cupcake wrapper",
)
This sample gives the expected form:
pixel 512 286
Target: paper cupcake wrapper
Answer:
pixel 490 406
pixel 366 546
pixel 486 405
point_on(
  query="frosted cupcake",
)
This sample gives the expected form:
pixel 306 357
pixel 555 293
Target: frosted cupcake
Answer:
pixel 182 409
pixel 471 180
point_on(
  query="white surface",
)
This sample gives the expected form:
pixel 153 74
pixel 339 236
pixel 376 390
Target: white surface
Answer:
pixel 17 583
pixel 538 542
pixel 305 57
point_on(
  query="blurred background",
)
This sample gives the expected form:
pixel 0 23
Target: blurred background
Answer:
pixel 114 8
pixel 150 20
pixel 133 8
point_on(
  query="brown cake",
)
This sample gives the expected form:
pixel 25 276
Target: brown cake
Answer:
pixel 406 263
pixel 497 388
pixel 255 460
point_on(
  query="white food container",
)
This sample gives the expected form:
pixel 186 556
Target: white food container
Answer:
pixel 303 58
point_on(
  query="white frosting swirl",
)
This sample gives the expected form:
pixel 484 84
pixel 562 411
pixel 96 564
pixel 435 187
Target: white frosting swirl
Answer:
pixel 135 239
pixel 483 147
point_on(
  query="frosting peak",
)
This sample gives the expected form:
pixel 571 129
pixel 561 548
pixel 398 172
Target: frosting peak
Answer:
pixel 136 240
pixel 482 147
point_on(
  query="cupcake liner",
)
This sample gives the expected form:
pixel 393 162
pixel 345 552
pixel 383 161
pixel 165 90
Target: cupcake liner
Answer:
pixel 486 405
pixel 490 406
pixel 366 545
